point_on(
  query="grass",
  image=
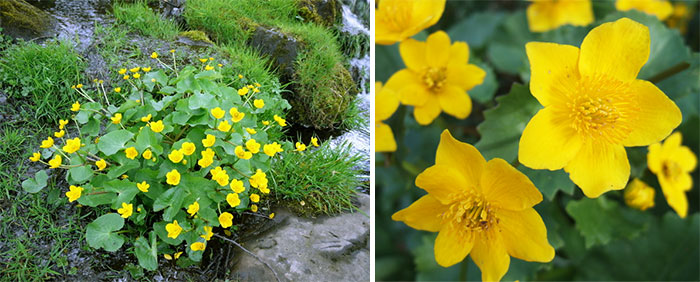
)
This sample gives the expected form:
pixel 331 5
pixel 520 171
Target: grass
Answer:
pixel 43 75
pixel 325 179
pixel 140 17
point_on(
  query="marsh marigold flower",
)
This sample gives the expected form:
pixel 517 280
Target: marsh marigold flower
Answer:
pixel 254 208
pixel 198 246
pixel 193 208
pixel 143 186
pixel 300 146
pixel 217 113
pixel 236 116
pixel 314 141
pixel 401 19
pixel 35 157
pixel 594 106
pixel 175 156
pixel 72 145
pixel 386 103
pixel 209 141
pixel 272 149
pixel 148 154
pixel 237 186
pixel 252 146
pixel 224 126
pixel 131 153
pixel 282 122
pixel 436 78
pixel 243 91
pixel 251 131
pixel 62 123
pixel 172 177
pixel 662 9
pixel 226 220
pixel 74 193
pixel 55 162
pixel 259 103
pixel 59 134
pixel 258 180
pixel 48 143
pixel 639 195
pixel 480 208
pixel 207 233
pixel 126 210
pixel 188 148
pixel 207 158
pixel 550 14
pixel 672 163
pixel 101 164
pixel 254 198
pixel 157 126
pixel 173 229
pixel 154 55
pixel 233 200
pixel 242 153
pixel 75 107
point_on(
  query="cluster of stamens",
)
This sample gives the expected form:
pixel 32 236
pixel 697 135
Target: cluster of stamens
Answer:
pixel 434 78
pixel 670 169
pixel 469 212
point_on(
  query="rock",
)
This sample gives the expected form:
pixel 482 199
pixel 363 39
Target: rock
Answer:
pixel 323 12
pixel 195 38
pixel 281 48
pixel 301 249
pixel 21 19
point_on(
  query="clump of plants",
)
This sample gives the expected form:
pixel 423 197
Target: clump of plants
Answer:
pixel 180 154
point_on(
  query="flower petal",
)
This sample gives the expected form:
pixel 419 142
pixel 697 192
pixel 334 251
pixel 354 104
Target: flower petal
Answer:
pixel 462 156
pixel 455 102
pixel 465 76
pixel 525 235
pixel 554 70
pixel 540 17
pixel 459 53
pixel 423 214
pixel 451 246
pixel 384 138
pixel 413 54
pixel 675 196
pixel 386 36
pixel 598 168
pixel 438 49
pixel 441 181
pixel 426 113
pixel 490 255
pixel 547 132
pixel 579 13
pixel 386 101
pixel 617 49
pixel 407 84
pixel 507 188
pixel 428 11
pixel 657 115
pixel 685 158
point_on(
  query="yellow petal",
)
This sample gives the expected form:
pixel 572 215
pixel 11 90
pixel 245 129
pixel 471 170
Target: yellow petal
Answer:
pixel 675 196
pixel 455 102
pixel 423 214
pixel 553 71
pixel 657 115
pixel 617 49
pixel 662 9
pixel 598 168
pixel 461 156
pixel 490 255
pixel 386 36
pixel 548 132
pixel 507 188
pixel 438 49
pixel 407 84
pixel 384 138
pixel 465 76
pixel 386 101
pixel 451 246
pixel 579 13
pixel 441 181
pixel 429 11
pixel 541 17
pixel 525 235
pixel 459 53
pixel 426 113
pixel 685 158
pixel 655 157
pixel 413 54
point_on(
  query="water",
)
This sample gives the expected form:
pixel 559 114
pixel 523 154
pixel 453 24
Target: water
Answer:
pixel 76 19
pixel 351 23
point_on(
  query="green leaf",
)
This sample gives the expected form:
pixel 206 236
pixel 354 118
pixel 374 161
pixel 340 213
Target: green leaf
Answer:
pixel 171 197
pixel 388 61
pixel 148 139
pixel 91 128
pixel 549 182
pixel 601 220
pixel 33 185
pixel 209 75
pixel 118 170
pixel 100 232
pixel 126 191
pixel 427 268
pixel 202 101
pixel 507 58
pixel 147 254
pixel 483 92
pixel 114 141
pixel 80 174
pixel 93 196
pixel 504 124
pixel 466 30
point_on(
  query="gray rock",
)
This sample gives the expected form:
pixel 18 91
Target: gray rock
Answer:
pixel 280 47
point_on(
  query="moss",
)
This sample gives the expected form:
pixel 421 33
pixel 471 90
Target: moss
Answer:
pixel 196 35
pixel 22 14
pixel 322 12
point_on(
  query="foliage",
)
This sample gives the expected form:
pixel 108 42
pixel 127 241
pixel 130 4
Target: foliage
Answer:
pixel 140 17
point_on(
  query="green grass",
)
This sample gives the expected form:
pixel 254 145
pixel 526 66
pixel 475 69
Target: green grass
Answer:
pixel 43 75
pixel 140 17
pixel 325 179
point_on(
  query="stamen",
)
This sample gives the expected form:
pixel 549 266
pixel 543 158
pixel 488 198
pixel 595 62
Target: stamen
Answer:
pixel 434 78
pixel 469 212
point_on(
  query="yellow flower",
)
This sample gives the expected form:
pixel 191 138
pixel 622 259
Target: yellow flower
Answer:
pixel 252 146
pixel 436 77
pixel 551 14
pixel 272 215
pixel 226 220
pixel 124 176
pixel 254 208
pixel 397 20
pixel 146 69
pixel 242 153
pixel 240 76
pixel 233 200
pixel 177 255
pixel 154 55
pixel 172 177
pixel 208 67
pixel 79 86
pixel 118 89
pixel 256 90
pixel 249 86
pixel 386 103
pixel 137 75
pixel 236 116
pixel 72 145
pixel 259 103
pixel 254 198
pixel 48 143
pixel 198 246
pixel 62 123
pixel 59 134
pixel 594 106
pixel 272 149
pixel 314 141
pixel 662 9
pixel 37 156
pixel 188 148
pixel 203 60
pixel 282 122
pixel 172 50
pixel 143 186
pixel 207 158
pixel 175 156
pixel 74 193
pixel 237 186
pixel 480 208
pixel 257 84
pixel 266 122
pixel 680 17
pixel 639 195
pixel 207 233
pixel 147 154
pixel 122 71
pixel 126 210
pixel 672 163
pixel 173 229
pixel 221 178
pixel 131 153
pixel 193 208
pixel 209 141
pixel 243 91
pixel 75 107
pixel 136 69
pixel 55 162
pixel 157 126
pixel 126 77
pixel 258 180
pixel 250 131
pixel 101 164
pixel 211 58
pixel 153 80
pixel 300 146
pixel 224 126
pixel 117 118
pixel 167 256
pixel 217 113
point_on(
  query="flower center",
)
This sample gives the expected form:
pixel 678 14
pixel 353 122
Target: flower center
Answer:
pixel 396 14
pixel 470 212
pixel 670 170
pixel 434 78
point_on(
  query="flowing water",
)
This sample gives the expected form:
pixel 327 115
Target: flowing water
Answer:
pixel 76 19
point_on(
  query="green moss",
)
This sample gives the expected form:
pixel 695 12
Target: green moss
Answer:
pixel 22 14
pixel 196 35
pixel 309 10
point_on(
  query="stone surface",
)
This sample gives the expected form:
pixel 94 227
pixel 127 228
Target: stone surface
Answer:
pixel 20 19
pixel 323 12
pixel 301 249
pixel 280 47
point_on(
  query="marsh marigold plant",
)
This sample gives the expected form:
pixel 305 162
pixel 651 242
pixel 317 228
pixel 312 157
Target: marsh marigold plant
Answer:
pixel 386 103
pixel 662 9
pixel 672 163
pixel 397 20
pixel 594 106
pixel 483 209
pixel 545 15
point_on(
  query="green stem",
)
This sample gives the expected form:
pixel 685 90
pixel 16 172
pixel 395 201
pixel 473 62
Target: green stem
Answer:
pixel 669 72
